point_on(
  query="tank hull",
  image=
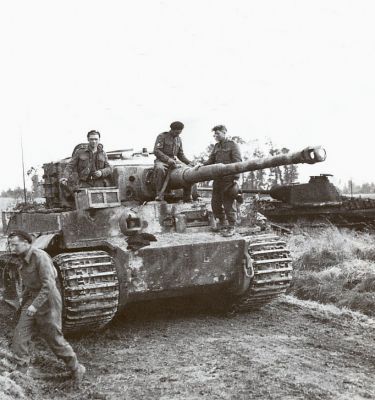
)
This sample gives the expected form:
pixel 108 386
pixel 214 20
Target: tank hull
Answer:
pixel 351 213
pixel 100 276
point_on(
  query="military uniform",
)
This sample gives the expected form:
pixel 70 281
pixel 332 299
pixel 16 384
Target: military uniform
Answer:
pixel 167 149
pixel 225 152
pixel 39 279
pixel 84 162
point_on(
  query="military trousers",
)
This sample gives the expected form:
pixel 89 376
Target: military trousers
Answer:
pixel 48 326
pixel 222 203
pixel 160 173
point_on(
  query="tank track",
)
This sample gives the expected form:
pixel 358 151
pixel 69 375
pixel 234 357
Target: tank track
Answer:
pixel 271 270
pixel 89 288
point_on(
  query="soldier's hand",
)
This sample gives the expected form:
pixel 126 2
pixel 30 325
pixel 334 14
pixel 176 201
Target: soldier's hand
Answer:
pixel 63 181
pixel 172 164
pixel 97 174
pixel 31 311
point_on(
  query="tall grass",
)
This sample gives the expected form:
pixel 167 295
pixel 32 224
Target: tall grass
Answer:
pixel 335 266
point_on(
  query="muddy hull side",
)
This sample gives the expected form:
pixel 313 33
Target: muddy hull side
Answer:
pixel 178 269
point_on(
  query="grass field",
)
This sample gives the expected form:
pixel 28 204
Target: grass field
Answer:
pixel 335 266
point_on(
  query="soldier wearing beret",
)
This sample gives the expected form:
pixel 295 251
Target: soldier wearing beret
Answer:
pixel 90 163
pixel 41 305
pixel 225 151
pixel 168 149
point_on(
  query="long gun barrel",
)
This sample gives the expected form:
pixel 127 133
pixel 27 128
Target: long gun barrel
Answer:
pixel 184 176
pixel 247 191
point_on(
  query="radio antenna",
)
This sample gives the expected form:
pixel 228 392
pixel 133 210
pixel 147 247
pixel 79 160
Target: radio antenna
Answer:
pixel 23 172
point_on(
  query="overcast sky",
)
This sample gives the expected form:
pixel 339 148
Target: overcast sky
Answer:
pixel 299 72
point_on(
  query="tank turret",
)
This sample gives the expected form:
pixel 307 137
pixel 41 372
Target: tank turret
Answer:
pixel 135 183
pixel 319 190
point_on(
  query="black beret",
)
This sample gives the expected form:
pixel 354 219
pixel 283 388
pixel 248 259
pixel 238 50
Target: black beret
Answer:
pixel 177 125
pixel 22 235
pixel 220 128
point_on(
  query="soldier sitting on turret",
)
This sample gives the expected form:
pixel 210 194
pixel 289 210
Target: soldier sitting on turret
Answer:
pixel 168 147
pixel 90 163
pixel 224 191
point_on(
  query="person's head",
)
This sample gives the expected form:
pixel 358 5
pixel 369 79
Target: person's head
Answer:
pixel 176 128
pixel 19 241
pixel 220 132
pixel 93 137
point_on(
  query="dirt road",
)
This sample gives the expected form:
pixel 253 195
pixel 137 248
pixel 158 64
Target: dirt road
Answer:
pixel 288 350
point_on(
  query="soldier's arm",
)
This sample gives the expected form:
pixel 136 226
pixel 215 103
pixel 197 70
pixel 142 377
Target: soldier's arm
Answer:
pixel 107 170
pixel 181 155
pixel 47 275
pixel 159 144
pixel 211 159
pixel 236 157
pixel 236 153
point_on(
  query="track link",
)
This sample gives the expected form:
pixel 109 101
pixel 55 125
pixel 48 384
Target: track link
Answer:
pixel 89 288
pixel 272 270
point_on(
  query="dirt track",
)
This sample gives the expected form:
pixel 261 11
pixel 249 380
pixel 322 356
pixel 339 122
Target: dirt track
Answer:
pixel 288 350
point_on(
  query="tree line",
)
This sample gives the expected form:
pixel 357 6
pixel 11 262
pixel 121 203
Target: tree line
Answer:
pixel 364 188
pixel 18 192
pixel 261 179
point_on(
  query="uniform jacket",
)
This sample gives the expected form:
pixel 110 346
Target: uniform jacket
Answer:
pixel 225 152
pixel 39 278
pixel 167 148
pixel 84 162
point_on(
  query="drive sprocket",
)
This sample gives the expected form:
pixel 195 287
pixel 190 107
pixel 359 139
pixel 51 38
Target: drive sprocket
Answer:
pixel 89 289
pixel 271 270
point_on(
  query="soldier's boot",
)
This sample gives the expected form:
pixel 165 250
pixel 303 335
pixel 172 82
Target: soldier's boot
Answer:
pixel 220 226
pixel 79 373
pixel 229 231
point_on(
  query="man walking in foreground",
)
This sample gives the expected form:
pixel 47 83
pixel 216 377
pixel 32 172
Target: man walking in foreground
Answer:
pixel 41 306
pixel 225 151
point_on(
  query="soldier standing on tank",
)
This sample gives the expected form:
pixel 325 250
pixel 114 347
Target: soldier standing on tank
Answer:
pixel 167 149
pixel 90 163
pixel 225 151
pixel 41 305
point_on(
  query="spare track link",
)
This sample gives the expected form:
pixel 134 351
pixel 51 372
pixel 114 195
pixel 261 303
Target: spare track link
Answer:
pixel 272 268
pixel 89 288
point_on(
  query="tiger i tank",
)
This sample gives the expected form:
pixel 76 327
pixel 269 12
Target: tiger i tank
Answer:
pixel 118 246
